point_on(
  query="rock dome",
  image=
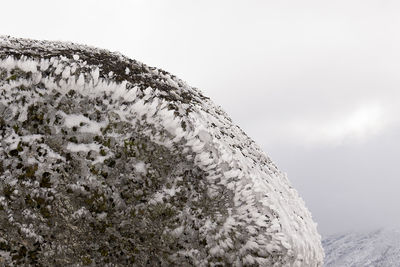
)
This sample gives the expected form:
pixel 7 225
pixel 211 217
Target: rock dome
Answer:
pixel 106 161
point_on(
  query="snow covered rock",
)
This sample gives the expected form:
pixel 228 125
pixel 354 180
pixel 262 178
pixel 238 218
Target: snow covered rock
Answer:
pixel 106 161
pixel 374 248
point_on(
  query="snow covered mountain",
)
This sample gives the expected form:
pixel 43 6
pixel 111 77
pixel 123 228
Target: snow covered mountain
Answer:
pixel 106 161
pixel 380 248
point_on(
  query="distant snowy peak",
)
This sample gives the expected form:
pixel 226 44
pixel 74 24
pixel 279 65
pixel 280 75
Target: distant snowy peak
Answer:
pixel 375 248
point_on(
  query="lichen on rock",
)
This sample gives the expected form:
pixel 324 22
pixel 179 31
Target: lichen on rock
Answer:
pixel 106 161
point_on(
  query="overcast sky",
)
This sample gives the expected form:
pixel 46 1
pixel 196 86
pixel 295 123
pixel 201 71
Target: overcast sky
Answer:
pixel 315 83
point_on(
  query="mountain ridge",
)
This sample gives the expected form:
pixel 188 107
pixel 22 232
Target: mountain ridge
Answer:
pixel 380 247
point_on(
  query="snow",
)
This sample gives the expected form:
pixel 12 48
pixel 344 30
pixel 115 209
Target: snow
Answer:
pixel 89 126
pixel 29 232
pixel 95 75
pixel 81 80
pixel 80 213
pixel 83 147
pixel 66 72
pixel 178 231
pixel 141 167
pixel 368 248
pixel 13 140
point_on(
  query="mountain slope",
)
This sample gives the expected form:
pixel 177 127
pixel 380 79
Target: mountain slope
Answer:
pixel 377 248
pixel 104 160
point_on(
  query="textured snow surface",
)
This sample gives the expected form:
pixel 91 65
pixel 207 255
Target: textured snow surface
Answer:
pixel 375 248
pixel 107 129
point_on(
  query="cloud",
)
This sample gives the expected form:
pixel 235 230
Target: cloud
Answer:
pixel 357 125
pixel 324 127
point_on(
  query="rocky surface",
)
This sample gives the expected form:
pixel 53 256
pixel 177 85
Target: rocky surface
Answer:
pixel 106 161
pixel 368 248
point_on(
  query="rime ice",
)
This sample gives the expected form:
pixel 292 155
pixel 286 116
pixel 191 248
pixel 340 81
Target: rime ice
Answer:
pixel 117 162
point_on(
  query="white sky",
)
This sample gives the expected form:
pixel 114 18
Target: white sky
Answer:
pixel 315 83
